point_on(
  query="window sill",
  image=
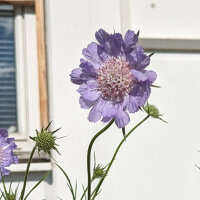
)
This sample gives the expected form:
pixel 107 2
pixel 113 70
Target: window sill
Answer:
pixel 34 167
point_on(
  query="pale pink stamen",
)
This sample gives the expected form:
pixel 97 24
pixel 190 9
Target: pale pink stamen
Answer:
pixel 115 79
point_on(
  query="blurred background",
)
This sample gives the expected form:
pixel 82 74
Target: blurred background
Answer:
pixel 41 42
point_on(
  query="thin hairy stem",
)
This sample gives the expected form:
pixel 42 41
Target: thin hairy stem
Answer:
pixel 89 155
pixel 114 156
pixel 27 172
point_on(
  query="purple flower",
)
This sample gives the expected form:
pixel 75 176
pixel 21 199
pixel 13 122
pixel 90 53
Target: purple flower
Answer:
pixel 7 157
pixel 112 77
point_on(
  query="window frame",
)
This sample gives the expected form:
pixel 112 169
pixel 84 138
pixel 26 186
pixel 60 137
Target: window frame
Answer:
pixel 158 44
pixel 23 141
pixel 26 73
pixel 41 49
pixel 19 2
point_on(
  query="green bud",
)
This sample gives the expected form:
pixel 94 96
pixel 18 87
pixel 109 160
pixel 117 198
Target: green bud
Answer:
pixel 153 111
pixel 45 140
pixel 11 197
pixel 99 171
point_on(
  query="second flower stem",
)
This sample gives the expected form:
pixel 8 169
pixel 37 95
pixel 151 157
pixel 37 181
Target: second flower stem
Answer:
pixel 27 172
pixel 89 155
pixel 114 156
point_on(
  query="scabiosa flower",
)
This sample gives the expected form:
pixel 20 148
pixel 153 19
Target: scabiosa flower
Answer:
pixel 7 157
pixel 112 77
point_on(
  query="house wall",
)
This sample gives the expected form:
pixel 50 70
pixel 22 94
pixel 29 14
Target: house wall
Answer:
pixel 70 26
pixel 158 161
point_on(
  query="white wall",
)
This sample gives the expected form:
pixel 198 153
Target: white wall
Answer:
pixel 70 27
pixel 157 163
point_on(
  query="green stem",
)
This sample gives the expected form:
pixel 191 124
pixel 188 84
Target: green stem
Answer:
pixel 85 191
pixel 68 180
pixel 113 158
pixel 27 172
pixel 89 155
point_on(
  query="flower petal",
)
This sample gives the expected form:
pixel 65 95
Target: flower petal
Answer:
pixel 138 76
pixel 130 40
pixel 108 109
pixel 137 59
pixel 110 43
pixel 102 36
pixel 3 133
pixel 11 143
pixel 76 76
pixel 121 118
pixel 134 104
pixel 141 92
pixel 85 103
pixel 151 75
pixel 91 53
pixel 114 45
pixel 89 90
pixel 7 145
pixel 15 159
pixel 95 113
pixel 106 119
pixel 144 93
pixel 5 171
pixel 88 68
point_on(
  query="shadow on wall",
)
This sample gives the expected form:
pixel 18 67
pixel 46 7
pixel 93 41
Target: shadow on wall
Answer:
pixel 33 177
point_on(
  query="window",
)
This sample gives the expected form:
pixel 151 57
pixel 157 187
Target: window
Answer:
pixel 8 100
pixel 23 93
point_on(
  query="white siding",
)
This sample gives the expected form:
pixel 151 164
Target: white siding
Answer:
pixel 158 161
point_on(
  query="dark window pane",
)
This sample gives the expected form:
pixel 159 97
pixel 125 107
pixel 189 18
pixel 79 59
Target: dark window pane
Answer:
pixel 8 100
pixel 6 7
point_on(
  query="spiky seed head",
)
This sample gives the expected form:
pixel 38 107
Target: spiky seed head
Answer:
pixel 99 171
pixel 45 141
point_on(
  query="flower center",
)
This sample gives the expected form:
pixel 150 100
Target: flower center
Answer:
pixel 115 79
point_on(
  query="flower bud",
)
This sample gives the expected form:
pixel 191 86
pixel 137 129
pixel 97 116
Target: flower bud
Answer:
pixel 99 171
pixel 11 197
pixel 45 140
pixel 152 110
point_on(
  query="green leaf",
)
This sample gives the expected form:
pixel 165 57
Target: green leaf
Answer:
pixel 124 131
pixel 151 54
pixel 69 182
pixel 55 130
pixel 156 86
pixel 4 186
pixel 48 126
pixel 43 178
pixel 138 33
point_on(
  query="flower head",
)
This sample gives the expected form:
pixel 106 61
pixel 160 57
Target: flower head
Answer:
pixel 45 140
pixel 7 157
pixel 112 77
